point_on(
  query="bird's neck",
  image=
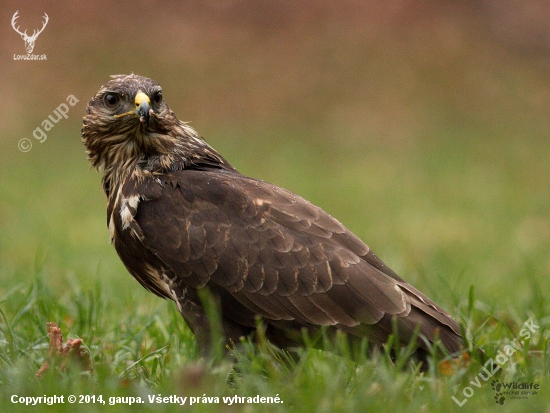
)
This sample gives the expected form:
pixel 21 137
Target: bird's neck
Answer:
pixel 189 153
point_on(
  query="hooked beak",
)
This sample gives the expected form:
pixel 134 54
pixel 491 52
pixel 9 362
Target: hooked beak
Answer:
pixel 143 107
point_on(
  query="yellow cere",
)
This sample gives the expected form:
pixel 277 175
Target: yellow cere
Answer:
pixel 140 97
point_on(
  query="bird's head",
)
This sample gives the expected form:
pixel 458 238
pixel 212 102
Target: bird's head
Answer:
pixel 128 121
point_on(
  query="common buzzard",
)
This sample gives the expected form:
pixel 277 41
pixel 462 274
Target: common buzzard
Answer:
pixel 182 219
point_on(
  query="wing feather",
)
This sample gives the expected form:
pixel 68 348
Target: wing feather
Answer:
pixel 273 254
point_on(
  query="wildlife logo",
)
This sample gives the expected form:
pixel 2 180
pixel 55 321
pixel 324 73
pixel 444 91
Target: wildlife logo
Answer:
pixel 513 390
pixel 29 40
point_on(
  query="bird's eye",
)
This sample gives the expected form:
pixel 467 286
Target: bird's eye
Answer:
pixel 158 97
pixel 111 100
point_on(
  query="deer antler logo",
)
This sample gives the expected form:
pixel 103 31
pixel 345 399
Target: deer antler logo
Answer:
pixel 29 40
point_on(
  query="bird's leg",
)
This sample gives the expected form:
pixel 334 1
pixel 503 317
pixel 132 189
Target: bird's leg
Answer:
pixel 196 319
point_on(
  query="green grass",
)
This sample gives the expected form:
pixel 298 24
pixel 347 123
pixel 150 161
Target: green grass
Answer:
pixel 463 217
pixel 149 352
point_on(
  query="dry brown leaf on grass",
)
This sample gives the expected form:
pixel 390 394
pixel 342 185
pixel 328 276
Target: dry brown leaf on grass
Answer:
pixel 61 356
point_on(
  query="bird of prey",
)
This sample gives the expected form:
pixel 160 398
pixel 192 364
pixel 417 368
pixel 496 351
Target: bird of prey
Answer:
pixel 182 219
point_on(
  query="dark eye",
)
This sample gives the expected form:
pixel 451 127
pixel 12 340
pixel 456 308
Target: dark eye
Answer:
pixel 158 97
pixel 111 100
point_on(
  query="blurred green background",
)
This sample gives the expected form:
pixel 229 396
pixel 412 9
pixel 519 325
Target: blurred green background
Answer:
pixel 422 126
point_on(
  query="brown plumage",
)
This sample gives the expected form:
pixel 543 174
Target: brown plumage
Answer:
pixel 182 219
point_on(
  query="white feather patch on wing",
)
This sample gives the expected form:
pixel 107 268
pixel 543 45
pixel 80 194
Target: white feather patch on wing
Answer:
pixel 112 228
pixel 128 209
pixel 158 278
